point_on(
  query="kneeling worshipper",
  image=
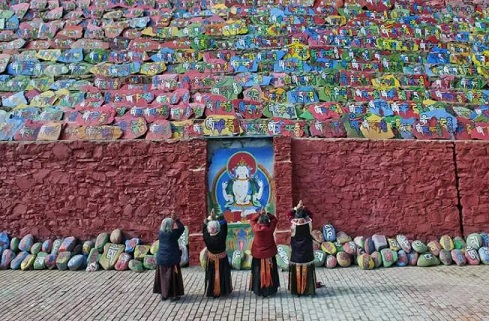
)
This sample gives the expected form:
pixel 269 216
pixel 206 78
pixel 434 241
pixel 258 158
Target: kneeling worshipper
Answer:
pixel 264 270
pixel 168 277
pixel 302 273
pixel 218 271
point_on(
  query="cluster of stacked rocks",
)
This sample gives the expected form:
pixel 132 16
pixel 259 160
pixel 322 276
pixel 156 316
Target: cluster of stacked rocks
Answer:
pixel 239 260
pixel 108 252
pixel 332 249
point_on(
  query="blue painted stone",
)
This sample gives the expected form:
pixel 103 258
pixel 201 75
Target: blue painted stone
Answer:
pixel 50 261
pixel 4 240
pixel 76 262
pixel 131 244
pixel 7 256
pixel 458 257
pixel 446 257
pixel 47 246
pixel 26 243
pixel 485 239
pixel 484 255
pixel 369 245
pixel 68 244
pixel 329 233
pixel 402 258
pixel 15 263
pixel 56 245
pixel 413 258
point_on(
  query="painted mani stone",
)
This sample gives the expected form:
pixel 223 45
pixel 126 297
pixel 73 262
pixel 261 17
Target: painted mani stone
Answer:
pixel 102 239
pixel 389 257
pixel 40 262
pixel 474 241
pixel 485 239
pixel 328 248
pixel 14 244
pixel 7 256
pixel 350 248
pixel 116 236
pixel 111 255
pixel 380 242
pixel 445 257
pixel 427 259
pixel 413 258
pixel 36 248
pixel 342 237
pixel 377 257
pixel 28 262
pixel 319 258
pixel 402 258
pixel 47 246
pixel 203 258
pixel 419 247
pixel 365 262
pixel 149 262
pixel 141 251
pixel 403 243
pixel 131 244
pixel 236 259
pixel 446 242
pixel 331 262
pixel 434 247
pixel 50 261
pixel 369 245
pixel 87 247
pixel 344 259
pixel 359 241
pixel 317 236
pixel 458 257
pixel 123 262
pixel 62 260
pixel 459 243
pixel 56 245
pixel 68 244
pixel 484 255
pixel 154 247
pixel 393 244
pixel 184 258
pixel 246 261
pixel 472 256
pixel 136 266
pixel 17 261
pixel 26 243
pixel 283 256
pixel 77 262
pixel 329 233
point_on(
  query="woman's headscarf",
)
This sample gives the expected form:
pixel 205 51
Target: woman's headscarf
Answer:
pixel 166 225
pixel 213 227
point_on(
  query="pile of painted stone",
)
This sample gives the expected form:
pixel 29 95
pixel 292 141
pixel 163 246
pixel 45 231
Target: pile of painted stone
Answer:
pixel 107 252
pixel 338 249
pixel 239 260
pixel 100 69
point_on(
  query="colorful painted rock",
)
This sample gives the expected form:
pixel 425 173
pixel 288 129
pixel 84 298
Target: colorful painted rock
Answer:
pixel 149 262
pixel 283 256
pixel 319 258
pixel 50 261
pixel 56 245
pixel 365 262
pixel 154 247
pixel 123 262
pixel 246 261
pixel 4 239
pixel 331 262
pixel 389 257
pixel 434 247
pixel 403 243
pixel 359 241
pixel 413 258
pixel 184 258
pixel 329 233
pixel 92 267
pixel 47 246
pixel 131 245
pixel 458 257
pixel 369 245
pixel 93 257
pixel 474 241
pixel 446 242
pixel 317 236
pixel 77 262
pixel 472 256
pixel 344 259
pixel 136 266
pixel 17 261
pixel 342 237
pixel 402 258
pixel 102 239
pixel 62 260
pixel 28 262
pixel 377 257
pixel 350 248
pixel 40 262
pixel 111 255
pixel 485 239
pixel 419 246
pixel 26 243
pixel 203 258
pixel 459 243
pixel 427 259
pixel 394 245
pixel 36 248
pixel 445 257
pixel 484 255
pixel 236 259
pixel 87 247
pixel 116 236
pixel 14 244
pixel 141 251
pixel 380 242
pixel 68 244
pixel 328 248
pixel 7 256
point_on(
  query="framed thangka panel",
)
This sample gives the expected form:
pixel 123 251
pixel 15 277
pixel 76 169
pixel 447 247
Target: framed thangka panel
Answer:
pixel 240 183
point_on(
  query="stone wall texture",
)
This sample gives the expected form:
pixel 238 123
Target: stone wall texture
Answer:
pixel 419 188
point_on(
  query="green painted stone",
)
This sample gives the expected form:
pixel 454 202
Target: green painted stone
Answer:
pixel 344 259
pixel 484 255
pixel 111 255
pixel 116 236
pixel 14 244
pixel 40 262
pixel 87 247
pixel 393 245
pixel 446 242
pixel 474 241
pixel 136 266
pixel 102 239
pixel 236 259
pixel 328 248
pixel 389 257
pixel 377 257
pixel 56 245
pixel 459 243
pixel 246 262
pixel 203 258
pixel 339 247
pixel 149 262
pixel 419 247
pixel 36 248
pixel 445 257
pixel 365 262
pixel 62 260
pixel 434 247
pixel 68 244
pixel 141 251
pixel 342 237
pixel 28 262
pixel 283 256
pixel 154 247
pixel 427 259
pixel 319 258
pixel 76 262
pixel 93 256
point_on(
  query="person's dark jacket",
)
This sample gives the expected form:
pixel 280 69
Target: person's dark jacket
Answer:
pixel 216 244
pixel 169 252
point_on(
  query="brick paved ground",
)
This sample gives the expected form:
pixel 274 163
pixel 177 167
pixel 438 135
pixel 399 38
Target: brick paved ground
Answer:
pixel 439 293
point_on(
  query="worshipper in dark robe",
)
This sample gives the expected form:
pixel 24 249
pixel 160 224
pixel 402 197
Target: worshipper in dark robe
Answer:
pixel 168 277
pixel 302 273
pixel 218 271
pixel 264 270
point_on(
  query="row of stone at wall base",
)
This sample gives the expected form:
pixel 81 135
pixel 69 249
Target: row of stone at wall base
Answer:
pixel 107 252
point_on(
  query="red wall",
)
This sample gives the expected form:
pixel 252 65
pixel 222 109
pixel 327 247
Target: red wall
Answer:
pixel 360 186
